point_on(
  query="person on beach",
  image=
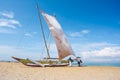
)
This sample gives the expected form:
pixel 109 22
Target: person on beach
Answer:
pixel 79 61
pixel 70 61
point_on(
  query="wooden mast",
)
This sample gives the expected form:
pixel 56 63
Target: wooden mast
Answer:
pixel 43 34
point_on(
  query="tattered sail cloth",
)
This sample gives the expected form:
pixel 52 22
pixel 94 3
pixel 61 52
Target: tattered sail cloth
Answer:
pixel 63 47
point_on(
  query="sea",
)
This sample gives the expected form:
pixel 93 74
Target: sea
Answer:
pixel 97 64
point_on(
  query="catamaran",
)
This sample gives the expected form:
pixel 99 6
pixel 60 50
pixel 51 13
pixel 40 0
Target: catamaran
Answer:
pixel 63 47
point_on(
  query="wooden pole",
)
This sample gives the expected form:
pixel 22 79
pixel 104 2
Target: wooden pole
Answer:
pixel 43 34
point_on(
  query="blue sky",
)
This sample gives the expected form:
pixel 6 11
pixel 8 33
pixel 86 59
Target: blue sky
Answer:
pixel 92 28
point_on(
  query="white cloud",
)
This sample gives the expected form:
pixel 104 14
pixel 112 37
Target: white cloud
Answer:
pixel 107 54
pixel 75 34
pixel 79 34
pixel 28 35
pixel 85 31
pixel 7 14
pixel 7 21
pixel 10 23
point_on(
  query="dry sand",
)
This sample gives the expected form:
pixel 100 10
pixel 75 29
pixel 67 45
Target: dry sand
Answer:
pixel 17 71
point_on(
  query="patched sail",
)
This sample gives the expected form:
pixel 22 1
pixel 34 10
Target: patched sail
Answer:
pixel 63 47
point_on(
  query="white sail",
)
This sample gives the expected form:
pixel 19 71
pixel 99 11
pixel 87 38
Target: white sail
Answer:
pixel 63 47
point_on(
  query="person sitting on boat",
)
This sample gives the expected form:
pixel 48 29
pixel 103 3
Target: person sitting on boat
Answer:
pixel 70 61
pixel 79 61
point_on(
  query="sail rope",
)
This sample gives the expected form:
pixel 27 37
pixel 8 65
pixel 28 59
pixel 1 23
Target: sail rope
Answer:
pixel 49 40
pixel 43 50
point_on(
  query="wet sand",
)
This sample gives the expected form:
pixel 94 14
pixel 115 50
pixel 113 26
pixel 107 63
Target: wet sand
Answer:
pixel 17 71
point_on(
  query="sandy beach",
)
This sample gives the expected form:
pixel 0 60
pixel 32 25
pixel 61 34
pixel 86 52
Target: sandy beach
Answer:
pixel 17 71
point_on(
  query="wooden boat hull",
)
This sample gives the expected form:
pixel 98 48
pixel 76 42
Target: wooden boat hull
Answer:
pixel 33 64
